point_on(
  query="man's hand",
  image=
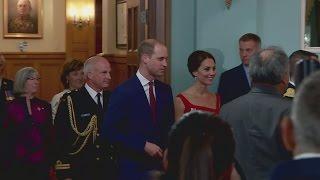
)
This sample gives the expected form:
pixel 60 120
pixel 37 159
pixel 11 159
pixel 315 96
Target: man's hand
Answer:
pixel 153 150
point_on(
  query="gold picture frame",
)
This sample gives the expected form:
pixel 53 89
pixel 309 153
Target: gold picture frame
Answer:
pixel 22 19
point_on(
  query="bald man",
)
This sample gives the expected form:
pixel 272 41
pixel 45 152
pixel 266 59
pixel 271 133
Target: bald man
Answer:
pixel 81 152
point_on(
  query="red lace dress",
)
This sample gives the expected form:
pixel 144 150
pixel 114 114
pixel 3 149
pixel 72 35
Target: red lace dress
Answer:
pixel 188 106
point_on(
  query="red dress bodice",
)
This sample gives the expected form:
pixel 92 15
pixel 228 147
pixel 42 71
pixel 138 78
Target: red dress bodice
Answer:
pixel 188 106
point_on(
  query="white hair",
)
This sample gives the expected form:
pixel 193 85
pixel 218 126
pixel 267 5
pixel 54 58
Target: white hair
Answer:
pixel 306 113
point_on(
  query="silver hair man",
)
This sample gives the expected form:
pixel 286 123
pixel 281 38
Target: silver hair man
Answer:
pixel 306 115
pixel 301 135
pixel 255 116
pixel 269 65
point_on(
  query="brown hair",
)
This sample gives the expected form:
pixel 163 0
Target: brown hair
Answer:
pixel 201 146
pixel 250 37
pixel 69 66
pixel 195 59
pixel 147 47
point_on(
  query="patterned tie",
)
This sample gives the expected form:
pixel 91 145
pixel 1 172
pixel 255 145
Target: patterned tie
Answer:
pixel 152 101
pixel 99 102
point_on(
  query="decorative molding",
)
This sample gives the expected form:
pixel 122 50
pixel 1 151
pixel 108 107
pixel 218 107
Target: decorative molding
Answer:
pixel 116 58
pixel 34 55
pixel 48 65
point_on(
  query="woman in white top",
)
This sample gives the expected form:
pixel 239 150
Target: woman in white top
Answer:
pixel 71 78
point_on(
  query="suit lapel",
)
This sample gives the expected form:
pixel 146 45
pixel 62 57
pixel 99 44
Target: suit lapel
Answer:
pixel 88 101
pixel 141 97
pixel 106 95
pixel 244 76
pixel 141 93
pixel 159 99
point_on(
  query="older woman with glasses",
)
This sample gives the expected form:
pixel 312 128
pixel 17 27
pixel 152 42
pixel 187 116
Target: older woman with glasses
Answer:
pixel 27 131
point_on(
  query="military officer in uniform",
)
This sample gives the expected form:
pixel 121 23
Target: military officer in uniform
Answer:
pixel 82 154
pixel 6 87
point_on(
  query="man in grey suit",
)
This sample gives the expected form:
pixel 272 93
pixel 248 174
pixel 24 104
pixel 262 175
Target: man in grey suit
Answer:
pixel 255 116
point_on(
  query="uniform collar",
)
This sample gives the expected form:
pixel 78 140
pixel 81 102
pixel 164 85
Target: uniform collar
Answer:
pixel 91 91
pixel 265 88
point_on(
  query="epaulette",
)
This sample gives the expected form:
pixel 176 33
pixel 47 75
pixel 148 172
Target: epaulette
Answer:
pixel 73 91
pixel 289 93
pixel 9 95
pixel 64 97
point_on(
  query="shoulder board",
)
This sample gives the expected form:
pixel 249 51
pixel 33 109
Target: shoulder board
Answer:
pixel 65 95
pixel 73 91
pixel 289 93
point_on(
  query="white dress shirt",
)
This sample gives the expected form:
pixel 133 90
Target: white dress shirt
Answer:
pixel 246 70
pixel 94 93
pixel 145 84
pixel 307 155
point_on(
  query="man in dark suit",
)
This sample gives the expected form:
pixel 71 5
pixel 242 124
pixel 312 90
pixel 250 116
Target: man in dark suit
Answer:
pixel 6 87
pixel 236 81
pixel 82 154
pixel 140 114
pixel 301 135
pixel 293 59
pixel 255 116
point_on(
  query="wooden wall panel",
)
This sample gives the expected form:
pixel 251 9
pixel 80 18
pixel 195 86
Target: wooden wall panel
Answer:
pixel 98 25
pixel 48 65
pixel 50 79
pixel 13 67
pixel 80 42
pixel 119 70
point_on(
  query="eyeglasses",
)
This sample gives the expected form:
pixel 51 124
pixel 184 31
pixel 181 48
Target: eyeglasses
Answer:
pixel 33 78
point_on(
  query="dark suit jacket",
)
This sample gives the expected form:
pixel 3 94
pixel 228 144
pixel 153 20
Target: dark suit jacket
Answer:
pixel 6 85
pixel 301 169
pixel 128 124
pixel 233 83
pixel 255 118
pixel 93 159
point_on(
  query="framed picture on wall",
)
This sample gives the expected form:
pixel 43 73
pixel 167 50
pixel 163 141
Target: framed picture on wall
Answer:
pixel 22 19
pixel 121 28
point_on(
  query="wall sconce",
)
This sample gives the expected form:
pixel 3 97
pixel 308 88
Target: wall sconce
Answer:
pixel 80 15
pixel 228 3
pixel 80 22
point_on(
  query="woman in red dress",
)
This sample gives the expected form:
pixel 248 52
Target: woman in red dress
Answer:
pixel 202 66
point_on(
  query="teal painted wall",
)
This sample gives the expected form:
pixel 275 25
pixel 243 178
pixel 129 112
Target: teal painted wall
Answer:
pixel 183 31
pixel 209 25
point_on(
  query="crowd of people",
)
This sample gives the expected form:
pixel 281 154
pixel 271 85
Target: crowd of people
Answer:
pixel 247 130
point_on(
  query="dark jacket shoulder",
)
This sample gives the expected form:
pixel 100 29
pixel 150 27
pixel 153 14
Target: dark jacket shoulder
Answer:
pixel 233 71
